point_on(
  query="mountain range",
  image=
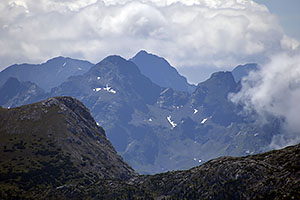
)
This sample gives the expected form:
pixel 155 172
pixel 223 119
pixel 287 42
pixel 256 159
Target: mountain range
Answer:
pixel 46 75
pixel 153 126
pixel 54 149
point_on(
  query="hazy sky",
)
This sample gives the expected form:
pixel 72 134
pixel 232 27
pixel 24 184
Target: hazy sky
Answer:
pixel 288 14
pixel 196 36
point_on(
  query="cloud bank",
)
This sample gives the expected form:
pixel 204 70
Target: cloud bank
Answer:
pixel 191 33
pixel 275 90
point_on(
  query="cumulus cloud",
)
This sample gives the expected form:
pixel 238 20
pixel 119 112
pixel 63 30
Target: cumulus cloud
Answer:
pixel 190 33
pixel 275 90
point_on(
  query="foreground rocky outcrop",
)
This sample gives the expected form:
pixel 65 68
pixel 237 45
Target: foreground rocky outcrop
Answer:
pixel 52 143
pixel 55 149
pixel 271 175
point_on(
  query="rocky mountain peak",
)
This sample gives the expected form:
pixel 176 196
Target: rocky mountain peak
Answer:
pixel 213 95
pixel 221 78
pixel 161 72
pixel 216 88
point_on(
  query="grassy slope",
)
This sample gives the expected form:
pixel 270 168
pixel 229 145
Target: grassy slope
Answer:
pixel 51 144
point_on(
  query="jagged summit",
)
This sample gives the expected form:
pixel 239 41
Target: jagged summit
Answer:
pixel 215 89
pixel 213 93
pixel 161 72
pixel 220 80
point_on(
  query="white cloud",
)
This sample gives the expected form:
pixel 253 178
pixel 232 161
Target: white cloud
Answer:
pixel 190 33
pixel 275 90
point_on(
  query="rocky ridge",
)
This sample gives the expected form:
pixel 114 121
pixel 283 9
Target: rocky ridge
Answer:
pixel 55 149
pixel 53 143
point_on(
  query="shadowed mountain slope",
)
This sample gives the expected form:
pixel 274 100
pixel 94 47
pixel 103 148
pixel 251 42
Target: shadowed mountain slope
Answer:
pixel 14 93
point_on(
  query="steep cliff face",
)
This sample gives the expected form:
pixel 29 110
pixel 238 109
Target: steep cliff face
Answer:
pixel 53 143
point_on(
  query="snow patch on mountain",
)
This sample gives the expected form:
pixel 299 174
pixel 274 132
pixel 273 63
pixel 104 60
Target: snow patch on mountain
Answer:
pixel 199 161
pixel 109 89
pixel 106 88
pixel 173 124
pixel 204 120
pixel 97 89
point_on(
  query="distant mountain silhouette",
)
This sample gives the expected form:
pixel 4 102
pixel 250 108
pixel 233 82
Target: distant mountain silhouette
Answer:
pixel 46 75
pixel 161 72
pixel 243 70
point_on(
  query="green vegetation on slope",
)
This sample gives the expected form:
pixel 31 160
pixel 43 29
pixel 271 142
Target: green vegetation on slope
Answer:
pixel 50 144
pixel 55 150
